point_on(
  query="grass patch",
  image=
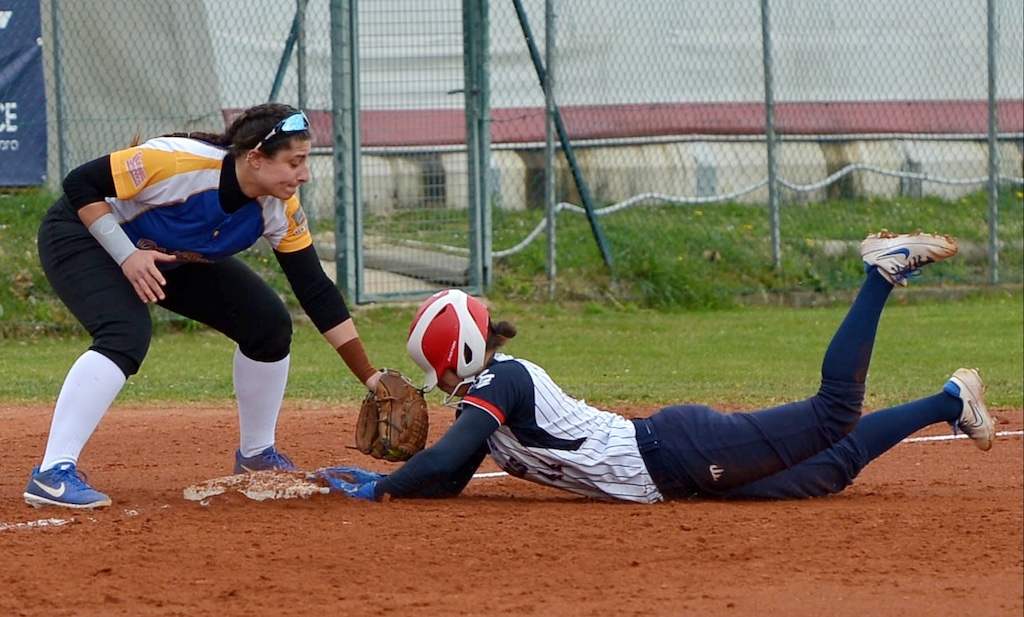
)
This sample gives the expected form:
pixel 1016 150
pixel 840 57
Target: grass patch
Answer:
pixel 708 256
pixel 647 339
pixel 665 257
pixel 612 357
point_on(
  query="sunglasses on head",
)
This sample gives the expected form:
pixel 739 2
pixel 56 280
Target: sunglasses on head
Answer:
pixel 295 123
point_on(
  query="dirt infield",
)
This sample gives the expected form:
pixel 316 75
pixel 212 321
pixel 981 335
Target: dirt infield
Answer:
pixel 932 528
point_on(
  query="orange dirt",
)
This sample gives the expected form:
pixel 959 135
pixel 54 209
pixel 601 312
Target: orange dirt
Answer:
pixel 931 528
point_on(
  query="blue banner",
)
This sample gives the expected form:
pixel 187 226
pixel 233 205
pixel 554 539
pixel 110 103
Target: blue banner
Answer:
pixel 22 95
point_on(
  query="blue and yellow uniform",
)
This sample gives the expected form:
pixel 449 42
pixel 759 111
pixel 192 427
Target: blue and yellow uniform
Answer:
pixel 162 222
pixel 181 196
pixel 168 198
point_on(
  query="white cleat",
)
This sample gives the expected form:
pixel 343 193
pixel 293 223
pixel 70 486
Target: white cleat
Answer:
pixel 900 256
pixel 974 421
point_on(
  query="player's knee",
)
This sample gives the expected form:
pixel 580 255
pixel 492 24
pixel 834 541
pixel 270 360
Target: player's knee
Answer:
pixel 839 406
pixel 271 339
pixel 125 344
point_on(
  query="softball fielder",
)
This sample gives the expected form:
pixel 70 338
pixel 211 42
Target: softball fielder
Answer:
pixel 513 410
pixel 159 223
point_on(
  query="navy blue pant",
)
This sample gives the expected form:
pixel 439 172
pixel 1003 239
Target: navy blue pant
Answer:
pixel 832 470
pixel 695 451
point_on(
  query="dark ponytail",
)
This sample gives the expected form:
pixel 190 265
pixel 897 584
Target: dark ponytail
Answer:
pixel 248 128
pixel 499 333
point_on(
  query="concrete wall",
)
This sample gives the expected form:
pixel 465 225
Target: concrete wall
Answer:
pixel 705 169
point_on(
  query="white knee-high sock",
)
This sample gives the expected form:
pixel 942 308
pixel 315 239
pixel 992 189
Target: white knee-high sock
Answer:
pixel 259 387
pixel 89 389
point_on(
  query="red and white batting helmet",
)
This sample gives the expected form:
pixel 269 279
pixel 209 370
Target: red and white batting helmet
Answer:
pixel 449 331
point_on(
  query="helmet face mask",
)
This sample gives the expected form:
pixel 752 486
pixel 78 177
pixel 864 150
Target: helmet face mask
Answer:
pixel 449 331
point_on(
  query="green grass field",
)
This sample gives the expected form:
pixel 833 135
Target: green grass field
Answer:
pixel 745 357
pixel 659 343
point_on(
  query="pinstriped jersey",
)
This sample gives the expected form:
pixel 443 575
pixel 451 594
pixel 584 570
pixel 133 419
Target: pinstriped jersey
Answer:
pixel 168 199
pixel 548 437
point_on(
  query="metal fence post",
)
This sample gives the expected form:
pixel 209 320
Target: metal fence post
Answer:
pixel 549 142
pixel 769 121
pixel 300 71
pixel 478 142
pixel 993 148
pixel 58 90
pixel 345 114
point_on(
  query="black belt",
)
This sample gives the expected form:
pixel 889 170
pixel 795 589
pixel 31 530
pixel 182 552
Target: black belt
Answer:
pixel 672 485
pixel 647 440
pixel 646 436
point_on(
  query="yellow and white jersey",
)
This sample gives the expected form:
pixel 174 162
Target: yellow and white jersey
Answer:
pixel 168 199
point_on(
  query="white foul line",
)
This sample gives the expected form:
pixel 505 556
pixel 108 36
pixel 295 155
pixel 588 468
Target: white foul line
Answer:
pixel 54 522
pixel 46 522
pixel 57 522
pixel 958 436
pixel 498 474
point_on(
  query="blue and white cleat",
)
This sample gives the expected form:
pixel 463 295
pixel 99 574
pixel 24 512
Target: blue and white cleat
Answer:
pixel 268 459
pixel 974 421
pixel 900 256
pixel 63 486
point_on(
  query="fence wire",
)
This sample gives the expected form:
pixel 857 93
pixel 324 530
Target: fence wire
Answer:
pixel 666 105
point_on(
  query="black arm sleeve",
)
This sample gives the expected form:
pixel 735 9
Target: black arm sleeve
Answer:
pixel 317 295
pixel 90 182
pixel 444 469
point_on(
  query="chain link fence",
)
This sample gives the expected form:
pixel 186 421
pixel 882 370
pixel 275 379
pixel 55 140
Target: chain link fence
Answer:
pixel 764 136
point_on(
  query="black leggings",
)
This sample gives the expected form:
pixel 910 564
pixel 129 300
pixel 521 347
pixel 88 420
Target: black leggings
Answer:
pixel 227 296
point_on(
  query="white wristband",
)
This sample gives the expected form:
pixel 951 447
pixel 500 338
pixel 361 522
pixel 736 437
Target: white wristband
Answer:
pixel 112 238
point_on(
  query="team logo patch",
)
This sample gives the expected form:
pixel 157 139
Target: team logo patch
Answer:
pixel 135 169
pixel 301 224
pixel 483 380
pixel 716 472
